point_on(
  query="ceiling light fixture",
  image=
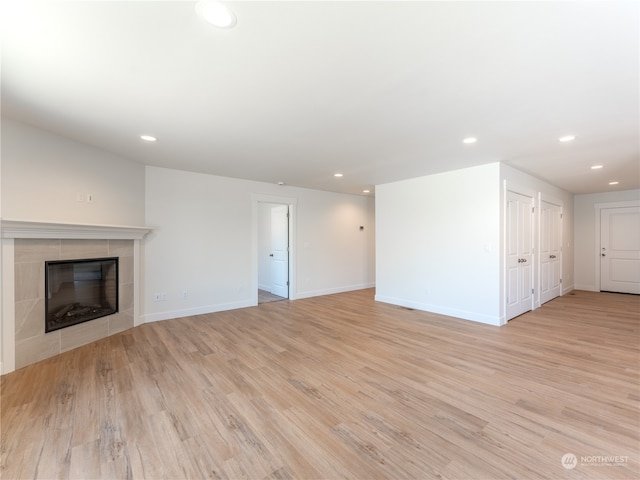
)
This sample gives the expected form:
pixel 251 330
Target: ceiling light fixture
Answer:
pixel 614 183
pixel 596 167
pixel 470 140
pixel 148 138
pixel 366 191
pixel 337 175
pixel 567 138
pixel 216 14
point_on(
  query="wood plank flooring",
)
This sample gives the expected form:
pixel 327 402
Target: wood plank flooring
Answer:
pixel 337 387
pixel 265 297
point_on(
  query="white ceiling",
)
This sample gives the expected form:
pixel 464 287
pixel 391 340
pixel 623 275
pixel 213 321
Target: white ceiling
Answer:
pixel 379 91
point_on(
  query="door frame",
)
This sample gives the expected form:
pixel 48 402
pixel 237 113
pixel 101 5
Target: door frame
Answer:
pixel 598 207
pixel 292 202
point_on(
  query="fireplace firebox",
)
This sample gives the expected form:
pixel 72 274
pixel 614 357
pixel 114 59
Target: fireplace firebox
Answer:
pixel 77 291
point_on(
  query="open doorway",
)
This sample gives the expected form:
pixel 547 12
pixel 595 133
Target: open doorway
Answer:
pixel 273 252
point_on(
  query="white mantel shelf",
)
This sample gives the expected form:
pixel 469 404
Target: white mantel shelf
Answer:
pixel 38 229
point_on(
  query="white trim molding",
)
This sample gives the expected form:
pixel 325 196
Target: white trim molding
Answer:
pixel 7 315
pixel 37 229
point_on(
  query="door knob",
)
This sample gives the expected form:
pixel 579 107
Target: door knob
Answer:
pixel 603 255
pixel 271 254
pixel 552 256
pixel 524 260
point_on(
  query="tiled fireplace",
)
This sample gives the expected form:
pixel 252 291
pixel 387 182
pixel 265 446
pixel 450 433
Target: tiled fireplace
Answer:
pixel 32 343
pixel 26 246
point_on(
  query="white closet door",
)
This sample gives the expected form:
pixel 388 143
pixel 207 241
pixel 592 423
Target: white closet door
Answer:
pixel 519 254
pixel 550 251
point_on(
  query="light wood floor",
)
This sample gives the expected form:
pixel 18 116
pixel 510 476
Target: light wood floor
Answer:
pixel 265 297
pixel 337 387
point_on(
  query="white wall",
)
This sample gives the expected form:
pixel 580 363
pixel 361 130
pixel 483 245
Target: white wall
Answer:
pixel 40 176
pixel 332 252
pixel 587 234
pixel 2 293
pixel 440 240
pixel 205 238
pixel 43 172
pixel 2 121
pixel 438 243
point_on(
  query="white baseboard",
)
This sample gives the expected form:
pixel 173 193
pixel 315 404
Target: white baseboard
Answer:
pixel 331 291
pixel 188 312
pixel 450 312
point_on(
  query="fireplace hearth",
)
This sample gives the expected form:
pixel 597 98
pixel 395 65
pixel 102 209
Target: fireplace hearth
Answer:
pixel 79 290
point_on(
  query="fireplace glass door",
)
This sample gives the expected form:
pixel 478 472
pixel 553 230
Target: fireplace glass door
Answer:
pixel 80 290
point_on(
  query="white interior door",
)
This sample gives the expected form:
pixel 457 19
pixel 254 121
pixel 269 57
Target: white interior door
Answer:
pixel 519 254
pixel 550 251
pixel 280 251
pixel 620 250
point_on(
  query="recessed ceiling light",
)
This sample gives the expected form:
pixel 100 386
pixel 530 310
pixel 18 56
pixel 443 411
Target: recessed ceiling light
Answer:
pixel 337 175
pixel 216 14
pixel 470 140
pixel 366 191
pixel 148 138
pixel 567 138
pixel 596 167
pixel 614 183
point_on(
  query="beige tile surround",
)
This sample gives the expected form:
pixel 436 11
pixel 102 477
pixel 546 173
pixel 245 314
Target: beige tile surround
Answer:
pixel 31 342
